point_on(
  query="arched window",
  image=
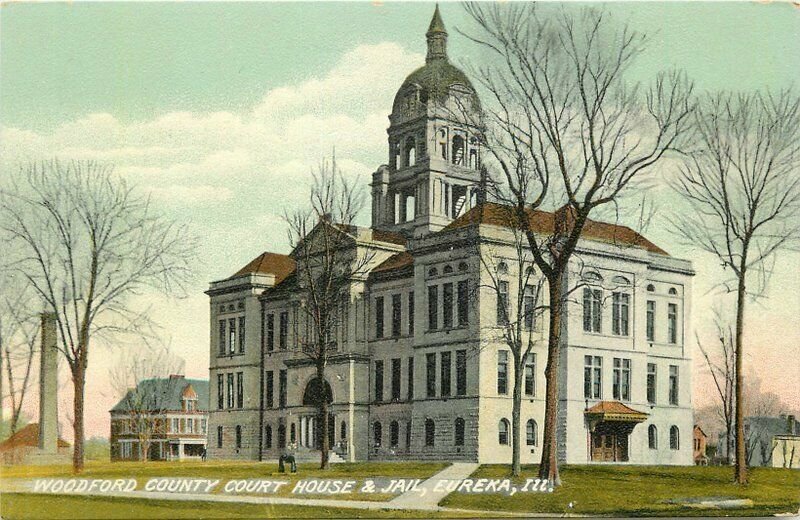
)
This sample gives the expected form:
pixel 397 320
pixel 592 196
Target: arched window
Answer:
pixel 651 288
pixel 268 437
pixel 620 281
pixel 317 390
pixel 652 437
pixel 502 268
pixel 448 269
pixel 531 433
pixel 410 157
pixel 343 431
pixel 238 436
pixel 673 291
pixel 462 266
pixel 674 438
pixel 459 438
pixel 592 277
pixel 394 433
pixel 377 433
pixel 282 436
pixel 443 143
pixel 433 272
pixel 292 433
pixel 430 432
pixel 502 432
pixel 458 150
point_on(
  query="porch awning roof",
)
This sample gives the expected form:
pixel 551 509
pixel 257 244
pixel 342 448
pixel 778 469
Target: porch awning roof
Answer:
pixel 615 411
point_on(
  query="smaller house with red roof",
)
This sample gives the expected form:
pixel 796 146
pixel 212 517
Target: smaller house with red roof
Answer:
pixel 23 447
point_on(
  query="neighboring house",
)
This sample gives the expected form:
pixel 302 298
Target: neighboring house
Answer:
pixel 169 416
pixel 23 448
pixel 765 437
pixel 700 443
pixel 786 451
pixel 416 371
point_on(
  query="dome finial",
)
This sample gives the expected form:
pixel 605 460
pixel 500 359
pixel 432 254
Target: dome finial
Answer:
pixel 437 38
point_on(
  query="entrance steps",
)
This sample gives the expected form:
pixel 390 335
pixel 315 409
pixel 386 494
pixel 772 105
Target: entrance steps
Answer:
pixel 309 455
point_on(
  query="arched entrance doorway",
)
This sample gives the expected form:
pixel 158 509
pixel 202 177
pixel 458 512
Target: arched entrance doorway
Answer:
pixel 317 391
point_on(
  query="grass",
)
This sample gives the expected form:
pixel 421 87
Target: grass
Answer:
pixel 21 506
pixel 228 470
pixel 641 491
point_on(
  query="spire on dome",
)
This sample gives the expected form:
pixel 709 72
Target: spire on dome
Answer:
pixel 437 38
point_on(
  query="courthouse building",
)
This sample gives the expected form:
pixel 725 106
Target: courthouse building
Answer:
pixel 416 369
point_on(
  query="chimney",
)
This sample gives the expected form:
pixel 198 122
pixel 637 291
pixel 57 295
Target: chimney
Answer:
pixel 790 425
pixel 176 376
pixel 48 385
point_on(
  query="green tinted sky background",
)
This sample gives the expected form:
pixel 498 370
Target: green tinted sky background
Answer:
pixel 221 109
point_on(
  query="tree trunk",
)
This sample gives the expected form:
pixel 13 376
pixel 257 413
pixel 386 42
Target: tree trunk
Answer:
pixel 325 445
pixel 740 469
pixel 548 469
pixel 728 442
pixel 78 383
pixel 519 374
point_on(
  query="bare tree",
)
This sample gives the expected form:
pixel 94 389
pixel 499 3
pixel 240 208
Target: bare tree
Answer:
pixel 90 243
pixel 722 366
pixel 19 327
pixel 743 188
pixel 328 264
pixel 566 128
pixel 142 379
pixel 517 311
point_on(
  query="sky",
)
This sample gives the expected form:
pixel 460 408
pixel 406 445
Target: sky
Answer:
pixel 220 112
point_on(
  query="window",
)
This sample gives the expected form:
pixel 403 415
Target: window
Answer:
pixel 674 438
pixel 271 332
pixel 463 303
pixel 502 372
pixel 219 436
pixel 459 432
pixel 231 396
pixel 502 432
pixel 447 305
pixel 231 335
pixel 241 334
pixel 282 389
pixel 238 436
pixel 529 307
pixel 530 374
pixel 502 268
pixel 621 387
pixel 592 377
pixel 448 269
pixel 394 434
pixel 651 320
pixel 379 381
pixel 396 315
pixel 343 431
pixel 430 374
pixel 502 303
pixel 410 378
pixel 220 391
pixel 651 288
pixel 461 372
pixel 445 369
pixel 281 436
pixel 270 393
pixel 673 291
pixel 239 390
pixel 531 433
pixel 430 432
pixel 292 433
pixel 396 377
pixel 433 272
pixel 619 313
pixel 379 317
pixel 672 323
pixel 222 336
pixel 283 330
pixel 651 383
pixel 652 437
pixel 673 384
pixel 377 434
pixel 268 437
pixel 411 313
pixel 408 434
pixel 592 317
pixel 433 307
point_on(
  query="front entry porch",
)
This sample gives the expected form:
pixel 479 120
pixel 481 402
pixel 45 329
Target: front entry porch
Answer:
pixel 609 425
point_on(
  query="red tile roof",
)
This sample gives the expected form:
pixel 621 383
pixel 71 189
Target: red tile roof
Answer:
pixel 272 263
pixel 544 222
pixel 27 437
pixel 612 407
pixel 398 261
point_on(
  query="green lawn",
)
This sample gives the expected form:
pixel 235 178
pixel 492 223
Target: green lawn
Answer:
pixel 641 490
pixel 227 470
pixel 17 506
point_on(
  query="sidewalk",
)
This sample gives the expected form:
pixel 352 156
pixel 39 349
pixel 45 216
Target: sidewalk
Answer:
pixel 429 499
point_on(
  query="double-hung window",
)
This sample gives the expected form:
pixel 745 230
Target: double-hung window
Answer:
pixel 592 377
pixel 502 371
pixel 620 313
pixel 622 379
pixel 592 305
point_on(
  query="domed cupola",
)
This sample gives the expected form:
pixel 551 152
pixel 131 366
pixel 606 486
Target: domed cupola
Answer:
pixel 434 146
